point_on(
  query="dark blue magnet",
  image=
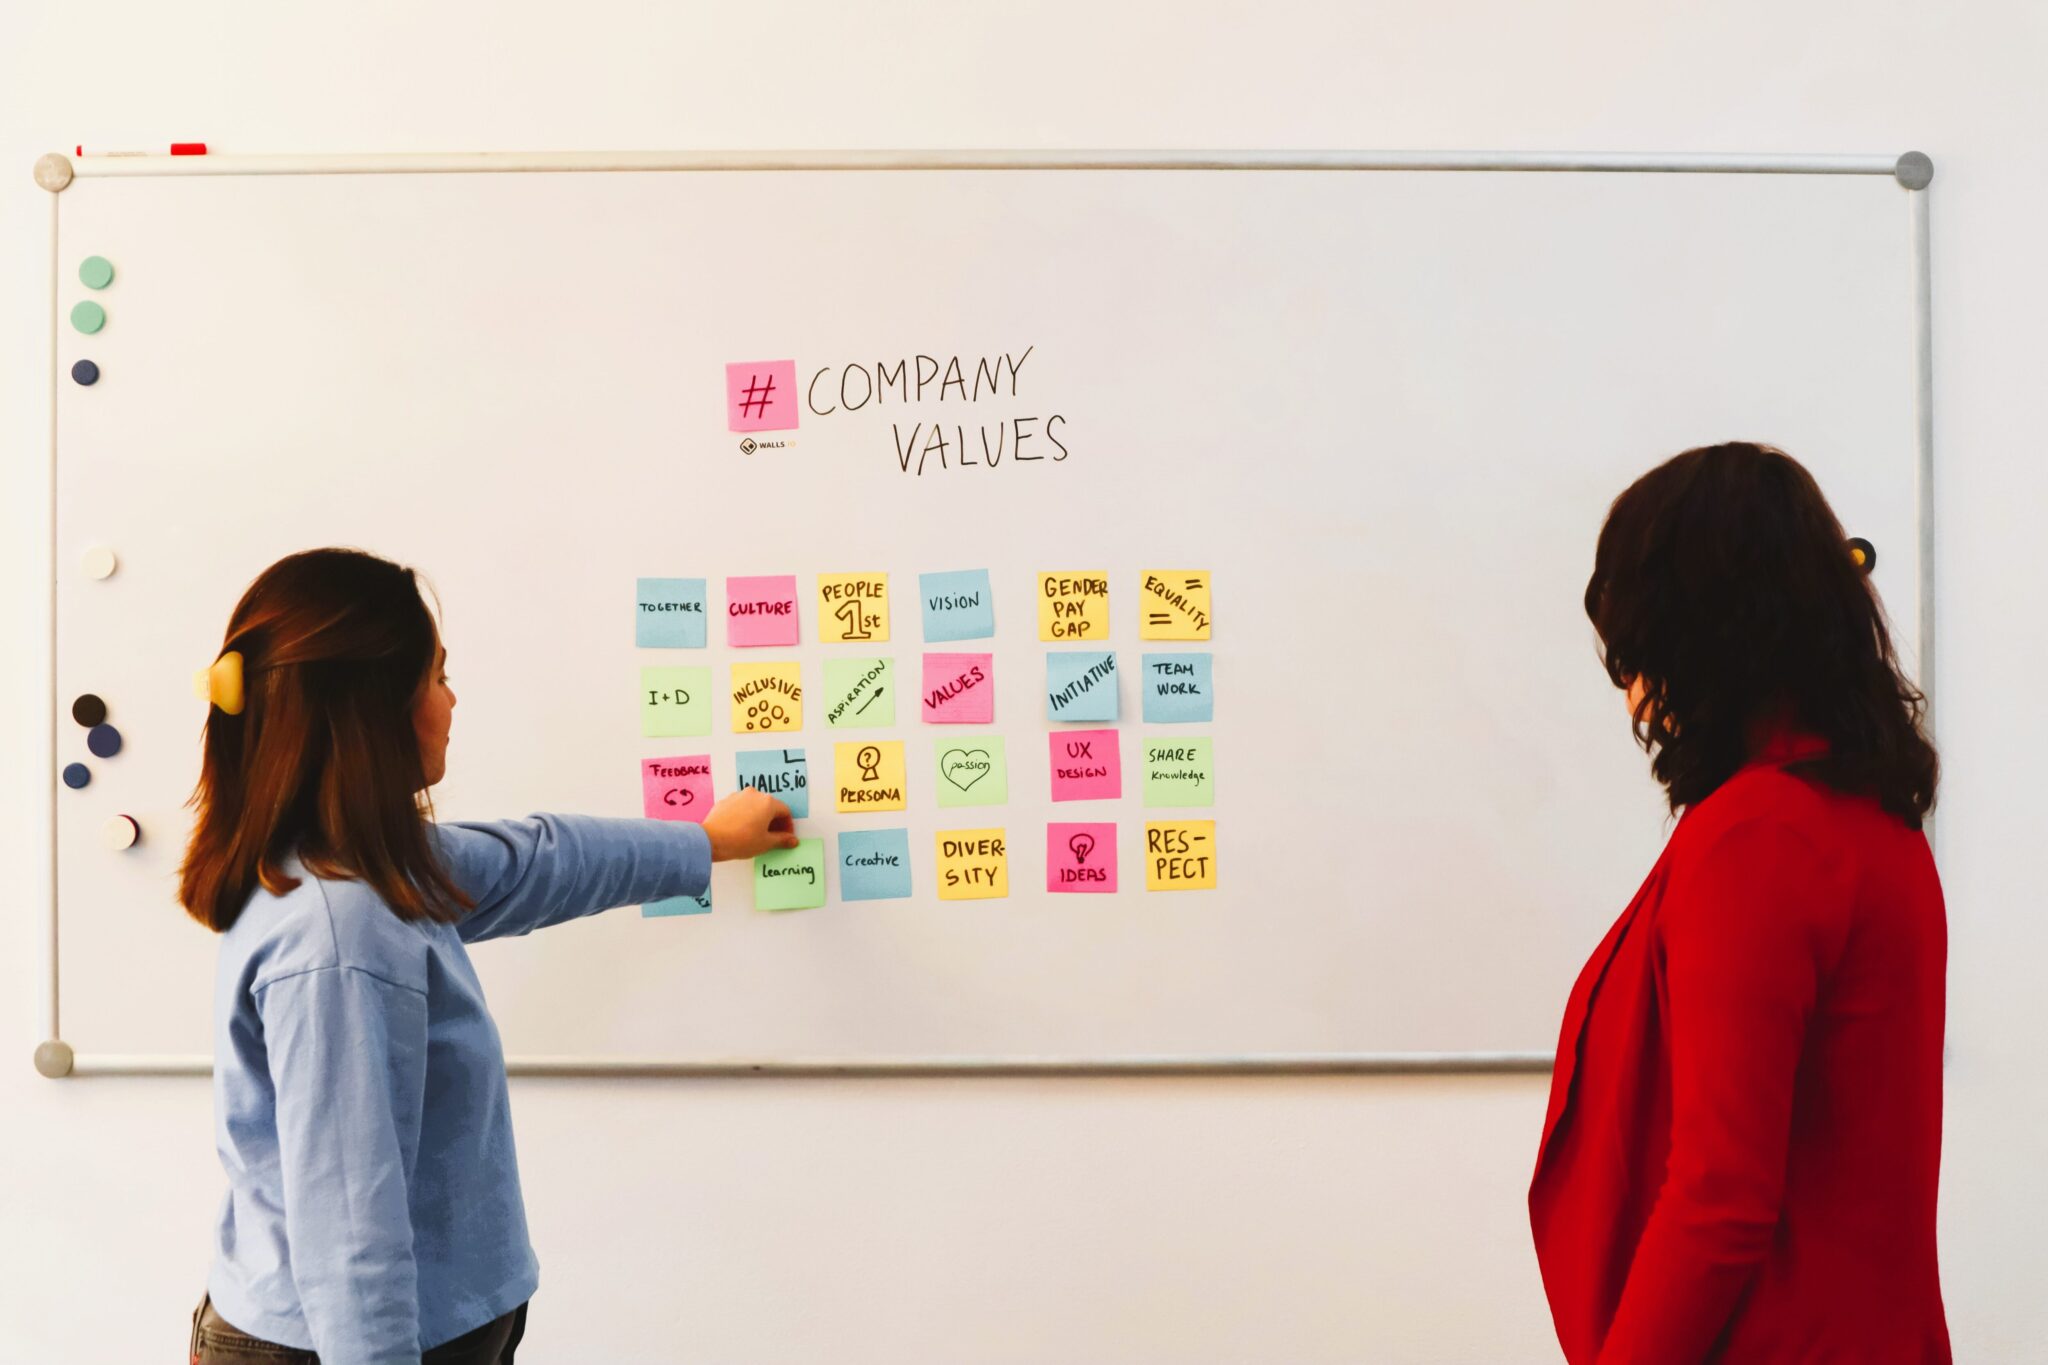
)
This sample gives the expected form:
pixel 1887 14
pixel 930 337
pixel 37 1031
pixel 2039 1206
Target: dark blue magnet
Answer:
pixel 77 775
pixel 103 740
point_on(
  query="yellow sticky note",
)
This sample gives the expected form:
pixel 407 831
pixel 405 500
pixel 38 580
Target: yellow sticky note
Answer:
pixel 1073 606
pixel 1173 604
pixel 853 607
pixel 767 697
pixel 974 864
pixel 869 776
pixel 1180 855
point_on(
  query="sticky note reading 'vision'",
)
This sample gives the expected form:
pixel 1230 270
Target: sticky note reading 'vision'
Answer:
pixel 1073 606
pixel 1179 772
pixel 1177 689
pixel 791 878
pixel 959 688
pixel 767 697
pixel 853 607
pixel 957 605
pixel 675 788
pixel 973 865
pixel 859 692
pixel 1086 765
pixel 973 773
pixel 675 701
pixel 669 613
pixel 1080 857
pixel 760 611
pixel 1174 604
pixel 1080 686
pixel 874 864
pixel 782 773
pixel 869 776
pixel 760 395
pixel 1180 855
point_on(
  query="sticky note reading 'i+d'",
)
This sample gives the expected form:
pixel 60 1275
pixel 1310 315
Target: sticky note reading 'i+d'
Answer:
pixel 869 776
pixel 1073 606
pixel 973 772
pixel 1180 855
pixel 859 692
pixel 760 611
pixel 957 605
pixel 767 697
pixel 853 607
pixel 675 701
pixel 1174 604
pixel 782 773
pixel 1179 772
pixel 973 864
pixel 959 688
pixel 1177 689
pixel 1080 857
pixel 669 613
pixel 1080 686
pixel 1086 765
pixel 675 788
pixel 760 395
pixel 791 878
pixel 874 864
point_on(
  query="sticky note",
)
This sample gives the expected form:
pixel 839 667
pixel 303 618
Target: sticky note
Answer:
pixel 1086 765
pixel 1080 685
pixel 853 607
pixel 859 692
pixel 1180 855
pixel 669 613
pixel 957 605
pixel 783 773
pixel 677 905
pixel 675 701
pixel 767 697
pixel 973 865
pixel 760 395
pixel 959 688
pixel 1176 689
pixel 874 864
pixel 868 776
pixel 760 611
pixel 1080 857
pixel 1173 604
pixel 1179 772
pixel 973 772
pixel 675 788
pixel 1073 606
pixel 791 878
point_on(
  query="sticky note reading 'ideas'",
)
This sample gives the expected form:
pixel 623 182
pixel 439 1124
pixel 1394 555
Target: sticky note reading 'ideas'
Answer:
pixel 1174 604
pixel 957 605
pixel 853 607
pixel 959 688
pixel 874 864
pixel 668 613
pixel 869 776
pixel 1080 857
pixel 791 878
pixel 675 701
pixel 782 773
pixel 1080 685
pixel 1086 766
pixel 1073 606
pixel 675 788
pixel 859 692
pixel 973 773
pixel 760 611
pixel 973 865
pixel 1180 855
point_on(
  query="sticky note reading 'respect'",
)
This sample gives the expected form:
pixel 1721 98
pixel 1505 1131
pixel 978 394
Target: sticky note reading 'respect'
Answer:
pixel 1086 765
pixel 1080 857
pixel 782 773
pixel 853 607
pixel 868 776
pixel 973 773
pixel 1176 689
pixel 767 697
pixel 760 395
pixel 1073 606
pixel 675 701
pixel 1173 604
pixel 1080 685
pixel 1179 772
pixel 1180 855
pixel 973 864
pixel 791 878
pixel 874 864
pixel 760 611
pixel 675 788
pixel 859 692
pixel 959 688
pixel 669 613
pixel 957 605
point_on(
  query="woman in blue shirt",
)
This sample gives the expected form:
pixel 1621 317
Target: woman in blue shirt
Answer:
pixel 373 1213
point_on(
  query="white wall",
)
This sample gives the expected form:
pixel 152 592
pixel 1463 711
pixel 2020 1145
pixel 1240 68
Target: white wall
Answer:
pixel 1181 1221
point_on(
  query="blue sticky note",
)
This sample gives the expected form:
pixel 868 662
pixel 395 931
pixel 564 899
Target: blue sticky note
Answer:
pixel 677 905
pixel 668 613
pixel 874 864
pixel 1176 689
pixel 957 605
pixel 779 772
pixel 1081 685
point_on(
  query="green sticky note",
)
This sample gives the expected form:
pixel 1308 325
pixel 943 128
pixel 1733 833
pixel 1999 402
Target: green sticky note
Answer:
pixel 675 701
pixel 791 878
pixel 96 271
pixel 859 692
pixel 972 772
pixel 88 317
pixel 1179 772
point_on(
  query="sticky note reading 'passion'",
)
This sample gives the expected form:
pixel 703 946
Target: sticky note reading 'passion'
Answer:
pixel 869 776
pixel 1080 686
pixel 1176 689
pixel 1180 855
pixel 675 701
pixel 1086 765
pixel 853 607
pixel 675 788
pixel 959 688
pixel 782 773
pixel 1073 606
pixel 1179 772
pixel 1174 604
pixel 973 773
pixel 760 395
pixel 874 864
pixel 1080 857
pixel 760 611
pixel 767 697
pixel 669 613
pixel 791 878
pixel 957 605
pixel 859 692
pixel 973 865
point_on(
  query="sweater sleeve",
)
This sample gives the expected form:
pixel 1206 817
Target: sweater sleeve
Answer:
pixel 1744 939
pixel 528 874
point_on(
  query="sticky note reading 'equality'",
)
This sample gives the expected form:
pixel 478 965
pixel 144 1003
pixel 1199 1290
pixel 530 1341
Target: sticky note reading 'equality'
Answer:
pixel 853 607
pixel 1080 686
pixel 767 697
pixel 675 701
pixel 859 692
pixel 957 605
pixel 1086 765
pixel 791 878
pixel 1073 606
pixel 1173 604
pixel 760 611
pixel 959 688
pixel 973 865
pixel 669 613
pixel 1179 772
pixel 675 788
pixel 869 776
pixel 973 773
pixel 1176 689
pixel 782 773
pixel 1080 857
pixel 1180 855
pixel 760 395
pixel 874 864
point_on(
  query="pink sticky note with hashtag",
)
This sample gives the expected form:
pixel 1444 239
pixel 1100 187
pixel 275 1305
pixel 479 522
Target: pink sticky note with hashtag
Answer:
pixel 959 689
pixel 1086 766
pixel 760 395
pixel 760 611
pixel 676 788
pixel 1080 857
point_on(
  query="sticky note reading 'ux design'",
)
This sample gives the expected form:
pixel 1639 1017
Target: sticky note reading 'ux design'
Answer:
pixel 859 692
pixel 853 607
pixel 791 878
pixel 1180 855
pixel 959 688
pixel 957 605
pixel 973 773
pixel 1073 606
pixel 760 611
pixel 782 773
pixel 669 613
pixel 973 864
pixel 1174 604
pixel 874 864
pixel 675 788
pixel 675 701
pixel 869 776
pixel 767 697
pixel 1080 857
pixel 1080 685
pixel 1086 765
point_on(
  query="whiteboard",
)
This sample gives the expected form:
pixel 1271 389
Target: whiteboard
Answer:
pixel 1384 409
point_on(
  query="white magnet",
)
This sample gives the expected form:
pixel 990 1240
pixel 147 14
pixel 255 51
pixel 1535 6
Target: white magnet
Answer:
pixel 98 562
pixel 122 832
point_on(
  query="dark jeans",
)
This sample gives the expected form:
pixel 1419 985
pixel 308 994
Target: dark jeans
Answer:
pixel 214 1342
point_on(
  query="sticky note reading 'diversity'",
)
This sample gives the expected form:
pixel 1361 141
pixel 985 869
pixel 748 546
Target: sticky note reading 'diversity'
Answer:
pixel 973 865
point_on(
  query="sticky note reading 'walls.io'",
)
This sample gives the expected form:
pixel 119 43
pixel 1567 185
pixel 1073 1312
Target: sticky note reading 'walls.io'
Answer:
pixel 973 773
pixel 767 697
pixel 760 395
pixel 869 776
pixel 874 864
pixel 1080 685
pixel 791 878
pixel 973 865
pixel 859 693
pixel 853 607
pixel 1173 604
pixel 957 605
pixel 1086 765
pixel 675 788
pixel 1080 857
pixel 675 701
pixel 1073 606
pixel 1180 855
pixel 782 773
pixel 668 613
pixel 760 611
pixel 959 689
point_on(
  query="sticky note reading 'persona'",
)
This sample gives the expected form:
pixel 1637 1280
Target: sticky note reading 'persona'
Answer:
pixel 675 788
pixel 853 607
pixel 760 611
pixel 973 773
pixel 859 692
pixel 760 395
pixel 959 688
pixel 973 865
pixel 957 605
pixel 1086 765
pixel 675 701
pixel 869 776
pixel 767 697
pixel 1080 857
pixel 1173 604
pixel 1176 689
pixel 677 905
pixel 782 773
pixel 1179 772
pixel 791 878
pixel 874 864
pixel 669 613
pixel 1080 686
pixel 1180 855
pixel 1073 606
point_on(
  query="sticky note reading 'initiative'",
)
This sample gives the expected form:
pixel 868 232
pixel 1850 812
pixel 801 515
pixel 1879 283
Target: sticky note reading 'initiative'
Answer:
pixel 957 605
pixel 675 788
pixel 874 864
pixel 1086 766
pixel 767 697
pixel 1174 604
pixel 1073 606
pixel 859 692
pixel 1080 685
pixel 973 773
pixel 973 865
pixel 1180 855
pixel 675 701
pixel 959 688
pixel 782 773
pixel 869 776
pixel 1080 857
pixel 1177 689
pixel 668 613
pixel 853 607
pixel 760 611
pixel 791 878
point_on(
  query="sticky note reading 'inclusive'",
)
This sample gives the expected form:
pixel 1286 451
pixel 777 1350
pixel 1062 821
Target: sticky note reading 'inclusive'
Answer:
pixel 1173 604
pixel 791 878
pixel 1080 857
pixel 853 607
pixel 767 697
pixel 1073 606
pixel 973 773
pixel 760 395
pixel 1080 686
pixel 669 613
pixel 760 611
pixel 959 688
pixel 675 701
pixel 957 605
pixel 1176 689
pixel 1179 772
pixel 973 865
pixel 874 864
pixel 782 773
pixel 675 788
pixel 869 776
pixel 677 905
pixel 1180 855
pixel 859 692
pixel 1086 765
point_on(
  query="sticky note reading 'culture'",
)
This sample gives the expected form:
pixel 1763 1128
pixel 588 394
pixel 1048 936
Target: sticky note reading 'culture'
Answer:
pixel 859 692
pixel 1179 772
pixel 767 697
pixel 1080 686
pixel 973 865
pixel 782 773
pixel 1073 606
pixel 675 788
pixel 959 688
pixel 675 701
pixel 874 864
pixel 1173 604
pixel 853 607
pixel 669 613
pixel 760 611
pixel 1180 855
pixel 869 776
pixel 791 878
pixel 957 605
pixel 1086 765
pixel 760 395
pixel 973 773
pixel 1080 857
pixel 677 905
pixel 1177 689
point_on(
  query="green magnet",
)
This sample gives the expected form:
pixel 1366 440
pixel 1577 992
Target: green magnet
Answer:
pixel 88 317
pixel 96 271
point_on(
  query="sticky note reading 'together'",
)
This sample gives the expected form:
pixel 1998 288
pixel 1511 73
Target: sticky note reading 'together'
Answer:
pixel 669 613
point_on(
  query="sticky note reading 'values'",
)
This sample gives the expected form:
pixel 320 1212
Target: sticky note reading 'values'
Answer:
pixel 1080 686
pixel 791 878
pixel 859 692
pixel 1073 606
pixel 760 611
pixel 675 701
pixel 669 613
pixel 874 864
pixel 973 773
pixel 1080 857
pixel 767 697
pixel 760 395
pixel 869 776
pixel 853 607
pixel 782 773
pixel 957 605
pixel 1180 855
pixel 1177 689
pixel 1174 604
pixel 1086 765
pixel 1179 772
pixel 973 865
pixel 675 788
pixel 959 688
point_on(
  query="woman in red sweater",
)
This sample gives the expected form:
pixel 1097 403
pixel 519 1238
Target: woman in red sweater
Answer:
pixel 1744 1132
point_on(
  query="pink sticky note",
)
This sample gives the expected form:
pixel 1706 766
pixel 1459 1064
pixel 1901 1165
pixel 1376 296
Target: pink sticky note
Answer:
pixel 1086 766
pixel 676 788
pixel 959 688
pixel 760 611
pixel 760 395
pixel 1080 857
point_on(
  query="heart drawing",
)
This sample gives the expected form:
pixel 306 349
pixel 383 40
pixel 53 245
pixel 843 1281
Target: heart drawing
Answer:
pixel 964 767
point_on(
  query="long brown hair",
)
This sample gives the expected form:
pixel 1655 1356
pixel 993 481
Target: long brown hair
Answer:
pixel 323 761
pixel 1724 582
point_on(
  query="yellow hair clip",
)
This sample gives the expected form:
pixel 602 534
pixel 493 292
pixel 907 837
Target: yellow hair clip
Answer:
pixel 222 683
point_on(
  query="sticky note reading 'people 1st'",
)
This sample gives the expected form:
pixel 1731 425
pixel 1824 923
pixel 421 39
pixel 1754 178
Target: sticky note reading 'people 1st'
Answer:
pixel 767 697
pixel 853 607
pixel 760 611
pixel 791 878
pixel 1080 857
pixel 973 865
pixel 1177 689
pixel 1179 772
pixel 1173 604
pixel 973 772
pixel 1080 685
pixel 874 864
pixel 859 692
pixel 782 773
pixel 1180 855
pixel 869 776
pixel 675 788
pixel 959 689
pixel 675 701
pixel 1073 606
pixel 957 605
pixel 669 613
pixel 1086 765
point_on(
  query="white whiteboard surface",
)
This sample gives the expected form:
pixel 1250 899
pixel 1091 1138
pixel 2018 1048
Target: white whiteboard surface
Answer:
pixel 1386 409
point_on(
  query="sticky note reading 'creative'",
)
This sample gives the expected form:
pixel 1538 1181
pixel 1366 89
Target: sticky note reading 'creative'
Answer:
pixel 791 878
pixel 1073 606
pixel 973 773
pixel 859 692
pixel 1173 604
pixel 973 865
pixel 1086 765
pixel 853 607
pixel 1080 686
pixel 675 788
pixel 767 697
pixel 1179 772
pixel 869 776
pixel 957 605
pixel 959 688
pixel 1080 857
pixel 1177 689
pixel 1180 855
pixel 669 613
pixel 782 773
pixel 760 395
pixel 760 611
pixel 675 701
pixel 874 864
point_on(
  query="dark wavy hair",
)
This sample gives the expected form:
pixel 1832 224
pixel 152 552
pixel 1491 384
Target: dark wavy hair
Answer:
pixel 1724 582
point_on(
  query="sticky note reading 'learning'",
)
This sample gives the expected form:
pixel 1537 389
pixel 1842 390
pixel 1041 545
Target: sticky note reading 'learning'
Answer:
pixel 874 864
pixel 1080 857
pixel 1176 689
pixel 675 701
pixel 957 605
pixel 1180 855
pixel 675 788
pixel 859 692
pixel 1086 765
pixel 1173 604
pixel 760 395
pixel 973 773
pixel 1073 606
pixel 869 776
pixel 760 611
pixel 782 773
pixel 1080 686
pixel 767 697
pixel 973 865
pixel 853 607
pixel 791 878
pixel 669 613
pixel 1179 772
pixel 959 688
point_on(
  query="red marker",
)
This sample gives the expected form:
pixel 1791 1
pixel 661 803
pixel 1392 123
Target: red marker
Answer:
pixel 177 149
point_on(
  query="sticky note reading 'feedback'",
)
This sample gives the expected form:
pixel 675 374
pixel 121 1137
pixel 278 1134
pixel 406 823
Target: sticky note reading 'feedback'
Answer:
pixel 1086 765
pixel 760 395
pixel 760 611
pixel 1177 689
pixel 1180 855
pixel 973 773
pixel 859 692
pixel 1179 772
pixel 853 607
pixel 1080 686
pixel 973 865
pixel 957 605
pixel 869 776
pixel 959 688
pixel 675 701
pixel 791 878
pixel 782 773
pixel 1073 606
pixel 669 613
pixel 1174 604
pixel 1080 857
pixel 874 864
pixel 767 697
pixel 675 788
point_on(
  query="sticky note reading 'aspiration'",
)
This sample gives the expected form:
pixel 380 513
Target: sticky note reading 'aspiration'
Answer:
pixel 869 776
pixel 1179 772
pixel 782 773
pixel 973 773
pixel 1086 765
pixel 874 864
pixel 973 865
pixel 675 701
pixel 791 878
pixel 957 605
pixel 760 395
pixel 760 611
pixel 1080 686
pixel 767 697
pixel 1173 604
pixel 669 613
pixel 859 692
pixel 677 905
pixel 853 607
pixel 959 688
pixel 1180 855
pixel 1080 857
pixel 675 788
pixel 1176 689
pixel 1073 606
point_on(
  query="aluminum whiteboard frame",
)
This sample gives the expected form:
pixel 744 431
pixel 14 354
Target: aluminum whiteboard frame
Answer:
pixel 1913 170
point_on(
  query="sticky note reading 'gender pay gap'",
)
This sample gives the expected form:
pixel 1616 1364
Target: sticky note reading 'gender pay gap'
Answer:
pixel 1080 857
pixel 675 701
pixel 959 688
pixel 791 878
pixel 1073 606
pixel 675 788
pixel 782 773
pixel 669 613
pixel 957 605
pixel 973 864
pixel 853 607
pixel 874 864
pixel 1086 765
pixel 767 697
pixel 760 611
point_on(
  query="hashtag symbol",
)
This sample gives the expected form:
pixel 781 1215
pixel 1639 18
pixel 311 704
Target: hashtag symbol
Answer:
pixel 757 386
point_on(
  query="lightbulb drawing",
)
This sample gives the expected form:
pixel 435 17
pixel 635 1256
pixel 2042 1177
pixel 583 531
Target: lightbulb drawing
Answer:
pixel 869 759
pixel 1082 845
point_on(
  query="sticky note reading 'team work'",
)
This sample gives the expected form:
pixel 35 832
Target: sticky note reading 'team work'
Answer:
pixel 669 613
pixel 1173 604
pixel 1177 689
pixel 767 697
pixel 973 772
pixel 675 788
pixel 675 701
pixel 1080 857
pixel 859 692
pixel 973 864
pixel 1180 855
pixel 853 607
pixel 791 878
pixel 760 611
pixel 874 864
pixel 1073 606
pixel 1086 765
pixel 869 776
pixel 782 773
pixel 1179 772
pixel 760 395
pixel 959 688
pixel 1080 685
pixel 957 605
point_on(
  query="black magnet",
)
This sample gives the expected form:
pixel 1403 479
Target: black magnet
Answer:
pixel 88 710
